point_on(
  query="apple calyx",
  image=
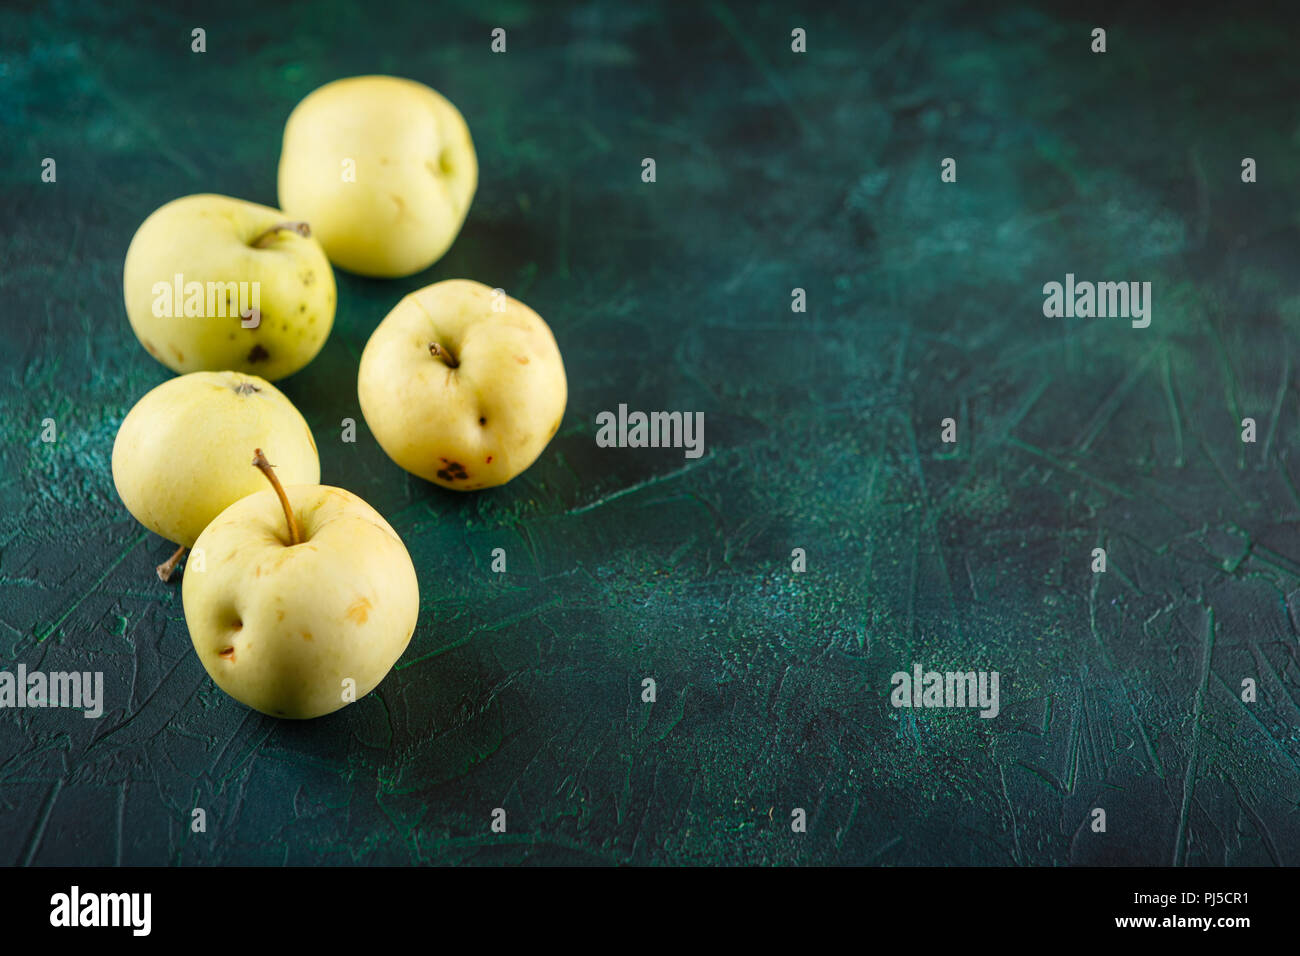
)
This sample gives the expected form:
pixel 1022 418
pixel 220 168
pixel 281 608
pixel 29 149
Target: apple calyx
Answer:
pixel 245 388
pixel 443 354
pixel 167 567
pixel 266 468
pixel 301 228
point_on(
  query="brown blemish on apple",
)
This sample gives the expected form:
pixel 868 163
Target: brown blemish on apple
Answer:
pixel 258 354
pixel 306 635
pixel 521 359
pixel 150 347
pixel 279 615
pixel 454 471
pixel 228 653
pixel 180 356
pixel 359 610
pixel 489 460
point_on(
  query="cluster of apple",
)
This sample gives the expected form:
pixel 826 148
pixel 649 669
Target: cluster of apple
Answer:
pixel 300 597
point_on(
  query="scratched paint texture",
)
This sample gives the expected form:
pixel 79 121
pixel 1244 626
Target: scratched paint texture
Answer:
pixel 821 171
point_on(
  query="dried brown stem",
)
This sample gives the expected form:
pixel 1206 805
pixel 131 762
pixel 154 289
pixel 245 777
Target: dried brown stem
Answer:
pixel 260 462
pixel 167 567
pixel 301 228
pixel 443 354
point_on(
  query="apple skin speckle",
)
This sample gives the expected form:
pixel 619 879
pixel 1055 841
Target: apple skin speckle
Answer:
pixel 359 610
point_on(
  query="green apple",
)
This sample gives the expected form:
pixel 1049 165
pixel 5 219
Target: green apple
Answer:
pixel 306 600
pixel 384 170
pixel 181 453
pixel 215 284
pixel 462 385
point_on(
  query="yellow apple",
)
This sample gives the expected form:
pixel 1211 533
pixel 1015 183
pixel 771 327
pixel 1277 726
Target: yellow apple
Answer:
pixel 306 599
pixel 462 385
pixel 181 453
pixel 216 284
pixel 384 170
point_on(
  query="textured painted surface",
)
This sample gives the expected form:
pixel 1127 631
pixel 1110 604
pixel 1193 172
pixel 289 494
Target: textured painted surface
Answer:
pixel 820 171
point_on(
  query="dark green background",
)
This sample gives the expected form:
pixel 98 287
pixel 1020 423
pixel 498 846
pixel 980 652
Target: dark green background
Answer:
pixel 775 171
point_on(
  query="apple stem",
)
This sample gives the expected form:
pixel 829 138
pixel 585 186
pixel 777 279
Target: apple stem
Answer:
pixel 443 354
pixel 260 462
pixel 301 228
pixel 167 567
